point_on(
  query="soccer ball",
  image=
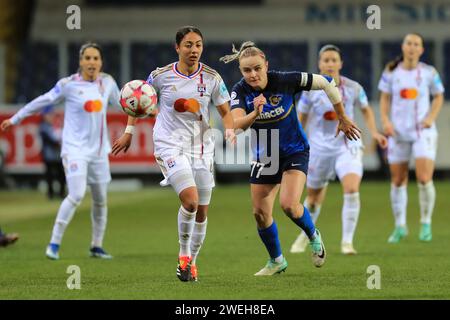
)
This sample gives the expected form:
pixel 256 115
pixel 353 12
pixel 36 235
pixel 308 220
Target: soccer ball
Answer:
pixel 138 98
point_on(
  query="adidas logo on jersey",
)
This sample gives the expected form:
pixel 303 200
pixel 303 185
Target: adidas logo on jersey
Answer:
pixel 174 89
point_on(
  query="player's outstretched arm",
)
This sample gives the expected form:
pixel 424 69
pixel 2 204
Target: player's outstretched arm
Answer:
pixel 124 142
pixel 346 125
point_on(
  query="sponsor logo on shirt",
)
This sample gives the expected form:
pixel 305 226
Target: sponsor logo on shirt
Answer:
pixel 330 116
pixel 409 94
pixel 183 105
pixel 271 114
pixel 93 106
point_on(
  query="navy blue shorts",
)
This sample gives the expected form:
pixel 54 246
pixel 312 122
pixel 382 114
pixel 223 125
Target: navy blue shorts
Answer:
pixel 263 173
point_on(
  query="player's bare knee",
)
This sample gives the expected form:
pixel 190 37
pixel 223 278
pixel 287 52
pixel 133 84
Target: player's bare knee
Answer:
pixel 290 209
pixel 423 179
pixel 190 205
pixel 350 189
pixel 399 181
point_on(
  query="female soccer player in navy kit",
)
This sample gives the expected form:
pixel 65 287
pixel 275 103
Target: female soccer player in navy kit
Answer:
pixel 264 101
pixel 85 143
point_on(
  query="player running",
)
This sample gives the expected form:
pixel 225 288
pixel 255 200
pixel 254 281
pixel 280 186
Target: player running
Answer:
pixel 331 155
pixel 264 101
pixel 408 120
pixel 184 150
pixel 85 143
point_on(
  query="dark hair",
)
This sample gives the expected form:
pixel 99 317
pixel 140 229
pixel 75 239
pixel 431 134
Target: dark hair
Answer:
pixel 247 49
pixel 330 47
pixel 90 45
pixel 184 31
pixel 391 65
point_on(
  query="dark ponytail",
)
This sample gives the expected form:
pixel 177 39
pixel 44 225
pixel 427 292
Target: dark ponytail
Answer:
pixel 391 65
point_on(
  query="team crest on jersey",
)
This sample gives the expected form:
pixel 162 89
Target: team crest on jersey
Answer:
pixel 201 87
pixel 275 100
pixel 171 163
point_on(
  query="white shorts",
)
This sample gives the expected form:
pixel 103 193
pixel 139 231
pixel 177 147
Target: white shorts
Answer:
pixel 97 171
pixel 183 171
pixel 424 147
pixel 324 168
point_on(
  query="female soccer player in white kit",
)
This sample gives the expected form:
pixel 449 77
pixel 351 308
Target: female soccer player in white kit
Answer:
pixel 85 143
pixel 184 148
pixel 333 155
pixel 408 120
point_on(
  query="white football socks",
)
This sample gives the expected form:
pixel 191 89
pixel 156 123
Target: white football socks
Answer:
pixel 186 222
pixel 198 236
pixel 427 198
pixel 399 201
pixel 350 214
pixel 77 188
pixel 63 218
pixel 99 213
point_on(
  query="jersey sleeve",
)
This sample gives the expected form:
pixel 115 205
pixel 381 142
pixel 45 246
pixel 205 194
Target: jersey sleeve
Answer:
pixel 54 96
pixel 436 86
pixel 154 80
pixel 220 93
pixel 304 103
pixel 298 81
pixel 361 100
pixel 385 83
pixel 114 96
pixel 237 98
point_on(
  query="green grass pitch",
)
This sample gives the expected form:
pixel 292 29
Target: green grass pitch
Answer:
pixel 142 237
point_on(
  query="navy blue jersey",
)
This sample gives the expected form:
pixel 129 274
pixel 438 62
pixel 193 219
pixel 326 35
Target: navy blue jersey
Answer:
pixel 279 112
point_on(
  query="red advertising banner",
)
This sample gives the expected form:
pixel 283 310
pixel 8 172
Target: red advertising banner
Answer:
pixel 22 145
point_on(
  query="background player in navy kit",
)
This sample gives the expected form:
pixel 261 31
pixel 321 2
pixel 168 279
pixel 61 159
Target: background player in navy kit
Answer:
pixel 250 108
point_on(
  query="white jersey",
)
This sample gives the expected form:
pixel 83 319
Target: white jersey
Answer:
pixel 410 103
pixel 322 119
pixel 85 135
pixel 184 132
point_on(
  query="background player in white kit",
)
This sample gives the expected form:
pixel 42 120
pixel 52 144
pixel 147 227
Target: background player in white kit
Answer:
pixel 408 119
pixel 85 143
pixel 332 155
pixel 186 90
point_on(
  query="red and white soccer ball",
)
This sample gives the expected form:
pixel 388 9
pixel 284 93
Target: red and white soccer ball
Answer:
pixel 138 98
